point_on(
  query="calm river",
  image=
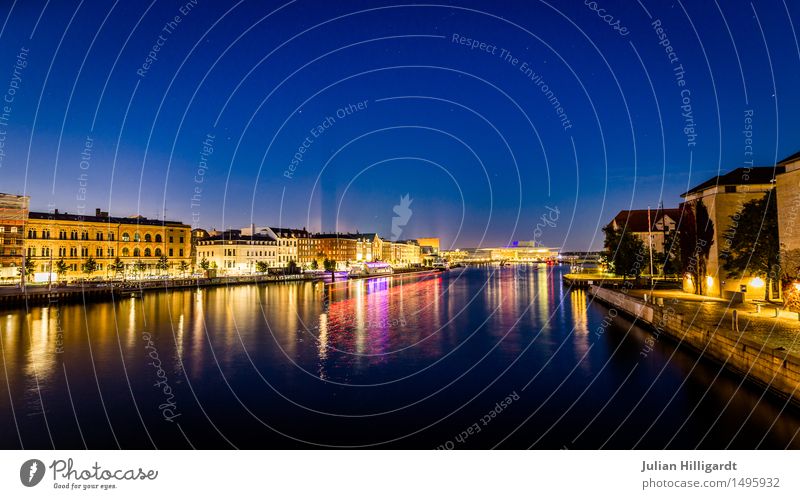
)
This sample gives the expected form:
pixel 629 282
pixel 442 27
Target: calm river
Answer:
pixel 471 358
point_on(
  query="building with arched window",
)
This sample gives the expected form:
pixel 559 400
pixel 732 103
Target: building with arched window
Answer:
pixel 138 242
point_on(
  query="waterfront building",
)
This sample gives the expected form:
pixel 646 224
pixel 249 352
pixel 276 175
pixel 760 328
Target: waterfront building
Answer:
pixel 724 196
pixel 456 255
pixel 429 245
pixel 232 253
pixel 404 254
pixel 13 214
pixel 520 251
pixel 143 245
pixel 653 225
pixel 346 248
pixel 291 243
pixel 787 189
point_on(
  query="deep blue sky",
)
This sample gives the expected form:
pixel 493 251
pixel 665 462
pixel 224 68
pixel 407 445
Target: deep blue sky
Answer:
pixel 466 134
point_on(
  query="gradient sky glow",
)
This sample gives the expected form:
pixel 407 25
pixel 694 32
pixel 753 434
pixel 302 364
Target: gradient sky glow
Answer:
pixel 472 139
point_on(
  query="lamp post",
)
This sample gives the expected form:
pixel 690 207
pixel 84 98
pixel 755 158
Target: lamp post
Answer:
pixel 650 242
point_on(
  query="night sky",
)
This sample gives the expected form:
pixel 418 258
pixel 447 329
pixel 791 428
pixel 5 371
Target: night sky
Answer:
pixel 375 100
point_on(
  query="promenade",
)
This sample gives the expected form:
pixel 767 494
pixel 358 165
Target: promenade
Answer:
pixel 762 347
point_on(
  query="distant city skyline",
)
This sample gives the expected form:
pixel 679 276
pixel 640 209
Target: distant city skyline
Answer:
pixel 325 117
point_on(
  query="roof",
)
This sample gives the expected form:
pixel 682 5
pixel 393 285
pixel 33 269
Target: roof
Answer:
pixel 636 220
pixel 236 236
pixel 38 215
pixel 282 232
pixel 368 235
pixel 790 159
pixel 740 176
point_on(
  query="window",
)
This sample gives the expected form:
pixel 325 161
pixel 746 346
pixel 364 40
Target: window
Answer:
pixel 31 234
pixel 136 252
pixel 730 188
pixel 158 251
pixel 98 252
pixel 110 236
pixel 125 252
pixel 62 251
pixel 73 252
pixel 126 237
pixel 99 236
pixel 84 252
pixel 85 236
pixel 136 237
pixel 45 234
pixel 180 252
pixel 180 239
pixel 170 239
pixel 158 238
pixel 31 251
pixel 170 252
pixel 73 235
pixel 148 238
pixel 110 251
pixel 62 234
pixel 147 252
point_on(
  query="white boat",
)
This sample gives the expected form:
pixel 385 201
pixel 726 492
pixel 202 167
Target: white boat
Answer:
pixel 370 269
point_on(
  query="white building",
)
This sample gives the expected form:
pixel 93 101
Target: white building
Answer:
pixel 290 243
pixel 232 253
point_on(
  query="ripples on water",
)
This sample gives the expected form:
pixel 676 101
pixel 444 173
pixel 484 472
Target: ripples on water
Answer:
pixel 398 361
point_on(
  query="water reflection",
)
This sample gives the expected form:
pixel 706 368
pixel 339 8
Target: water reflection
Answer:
pixel 414 349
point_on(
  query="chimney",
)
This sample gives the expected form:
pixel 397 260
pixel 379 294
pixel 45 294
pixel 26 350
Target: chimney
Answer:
pixel 97 212
pixel 56 211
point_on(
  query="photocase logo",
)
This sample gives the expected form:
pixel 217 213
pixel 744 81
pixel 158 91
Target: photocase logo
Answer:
pixel 403 212
pixel 31 472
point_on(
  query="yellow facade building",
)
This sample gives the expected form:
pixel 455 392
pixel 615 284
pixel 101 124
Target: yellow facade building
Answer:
pixel 59 245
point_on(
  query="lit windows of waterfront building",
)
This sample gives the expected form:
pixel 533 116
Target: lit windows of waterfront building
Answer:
pixel 13 213
pixel 290 243
pixel 232 253
pixel 139 242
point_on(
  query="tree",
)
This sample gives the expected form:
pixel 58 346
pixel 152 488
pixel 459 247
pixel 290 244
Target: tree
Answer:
pixel 292 268
pixel 329 265
pixel 61 268
pixel 117 267
pixel 28 268
pixel 314 264
pixel 670 258
pixel 162 263
pixel 204 264
pixel 695 235
pixel 262 267
pixel 751 244
pixel 624 252
pixel 89 266
pixel 183 267
pixel 139 266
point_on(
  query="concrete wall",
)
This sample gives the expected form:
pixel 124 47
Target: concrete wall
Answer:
pixel 777 370
pixel 788 196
